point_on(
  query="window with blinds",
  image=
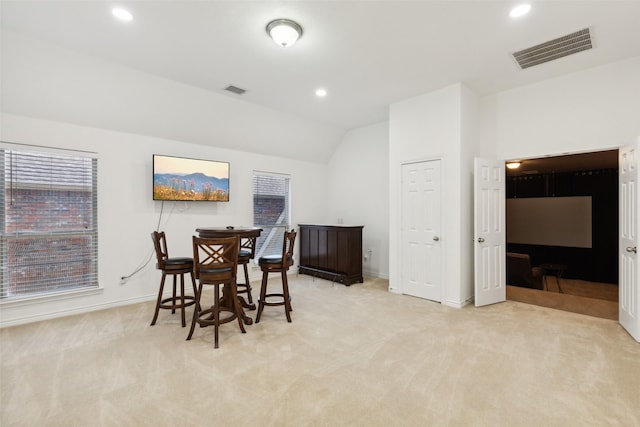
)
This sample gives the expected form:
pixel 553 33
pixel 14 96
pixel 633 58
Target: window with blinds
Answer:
pixel 270 211
pixel 49 230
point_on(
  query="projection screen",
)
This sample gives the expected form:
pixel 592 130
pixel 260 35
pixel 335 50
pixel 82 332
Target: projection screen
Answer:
pixel 550 221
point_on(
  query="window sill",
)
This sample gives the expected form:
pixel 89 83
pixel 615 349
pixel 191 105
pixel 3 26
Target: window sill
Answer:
pixel 38 299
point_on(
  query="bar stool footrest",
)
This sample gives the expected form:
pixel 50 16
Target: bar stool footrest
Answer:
pixel 243 288
pixel 205 317
pixel 274 303
pixel 176 303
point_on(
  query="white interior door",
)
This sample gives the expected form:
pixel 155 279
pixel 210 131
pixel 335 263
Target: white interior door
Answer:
pixel 421 225
pixel 489 232
pixel 628 273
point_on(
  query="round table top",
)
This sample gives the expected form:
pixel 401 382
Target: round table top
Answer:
pixel 228 231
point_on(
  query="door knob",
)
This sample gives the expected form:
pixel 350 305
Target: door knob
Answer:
pixel 632 249
pixel 436 238
pixel 480 239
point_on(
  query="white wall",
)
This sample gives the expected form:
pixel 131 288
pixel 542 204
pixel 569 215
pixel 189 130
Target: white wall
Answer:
pixel 59 98
pixel 358 188
pixel 439 124
pixel 591 110
pixel 46 81
pixel 469 143
pixel 127 215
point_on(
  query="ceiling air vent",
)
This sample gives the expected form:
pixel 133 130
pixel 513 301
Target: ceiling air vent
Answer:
pixel 554 49
pixel 235 89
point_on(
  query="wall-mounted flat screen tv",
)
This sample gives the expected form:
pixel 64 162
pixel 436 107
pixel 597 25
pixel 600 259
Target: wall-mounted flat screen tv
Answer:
pixel 183 179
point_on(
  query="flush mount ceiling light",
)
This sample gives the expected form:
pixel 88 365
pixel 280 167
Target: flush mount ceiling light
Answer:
pixel 321 93
pixel 513 165
pixel 284 32
pixel 122 14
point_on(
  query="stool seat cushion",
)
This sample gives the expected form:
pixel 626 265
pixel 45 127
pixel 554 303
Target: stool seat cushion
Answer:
pixel 244 254
pixel 215 270
pixel 178 261
pixel 272 259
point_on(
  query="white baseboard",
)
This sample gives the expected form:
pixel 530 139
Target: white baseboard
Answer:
pixel 457 304
pixel 255 279
pixel 375 274
pixel 78 310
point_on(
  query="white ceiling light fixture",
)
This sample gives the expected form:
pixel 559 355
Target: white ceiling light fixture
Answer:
pixel 284 32
pixel 122 14
pixel 513 165
pixel 321 93
pixel 520 10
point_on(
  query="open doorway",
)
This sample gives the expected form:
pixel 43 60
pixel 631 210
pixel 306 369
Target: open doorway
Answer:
pixel 562 219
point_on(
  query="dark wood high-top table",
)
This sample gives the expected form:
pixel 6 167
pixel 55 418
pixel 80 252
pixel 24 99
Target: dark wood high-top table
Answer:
pixel 228 232
pixel 213 232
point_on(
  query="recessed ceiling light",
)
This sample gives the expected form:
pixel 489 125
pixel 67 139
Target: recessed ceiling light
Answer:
pixel 122 14
pixel 321 93
pixel 520 10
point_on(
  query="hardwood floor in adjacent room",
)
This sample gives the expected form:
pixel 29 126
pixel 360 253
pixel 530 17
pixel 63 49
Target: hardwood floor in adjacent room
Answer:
pixel 578 296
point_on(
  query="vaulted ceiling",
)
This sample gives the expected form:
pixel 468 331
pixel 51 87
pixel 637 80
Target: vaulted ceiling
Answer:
pixel 366 54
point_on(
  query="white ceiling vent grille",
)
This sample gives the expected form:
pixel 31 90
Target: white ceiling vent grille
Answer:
pixel 554 49
pixel 235 89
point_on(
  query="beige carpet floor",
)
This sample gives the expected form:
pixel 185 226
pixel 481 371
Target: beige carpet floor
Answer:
pixel 353 356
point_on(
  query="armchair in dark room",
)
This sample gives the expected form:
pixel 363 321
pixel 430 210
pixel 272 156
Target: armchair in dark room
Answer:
pixel 520 273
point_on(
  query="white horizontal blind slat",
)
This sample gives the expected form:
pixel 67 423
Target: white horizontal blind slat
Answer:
pixel 270 211
pixel 47 150
pixel 48 235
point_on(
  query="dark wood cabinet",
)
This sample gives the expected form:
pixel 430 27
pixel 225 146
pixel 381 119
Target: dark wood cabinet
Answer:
pixel 332 252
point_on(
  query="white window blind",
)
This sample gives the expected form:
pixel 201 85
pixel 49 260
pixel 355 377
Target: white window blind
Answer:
pixel 270 211
pixel 49 230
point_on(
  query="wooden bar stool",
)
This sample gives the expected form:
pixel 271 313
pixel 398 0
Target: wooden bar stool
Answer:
pixel 246 254
pixel 215 263
pixel 174 267
pixel 277 264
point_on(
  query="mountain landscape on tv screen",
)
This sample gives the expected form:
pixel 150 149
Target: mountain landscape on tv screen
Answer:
pixel 194 186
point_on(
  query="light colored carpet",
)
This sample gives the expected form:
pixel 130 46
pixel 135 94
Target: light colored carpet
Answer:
pixel 353 356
